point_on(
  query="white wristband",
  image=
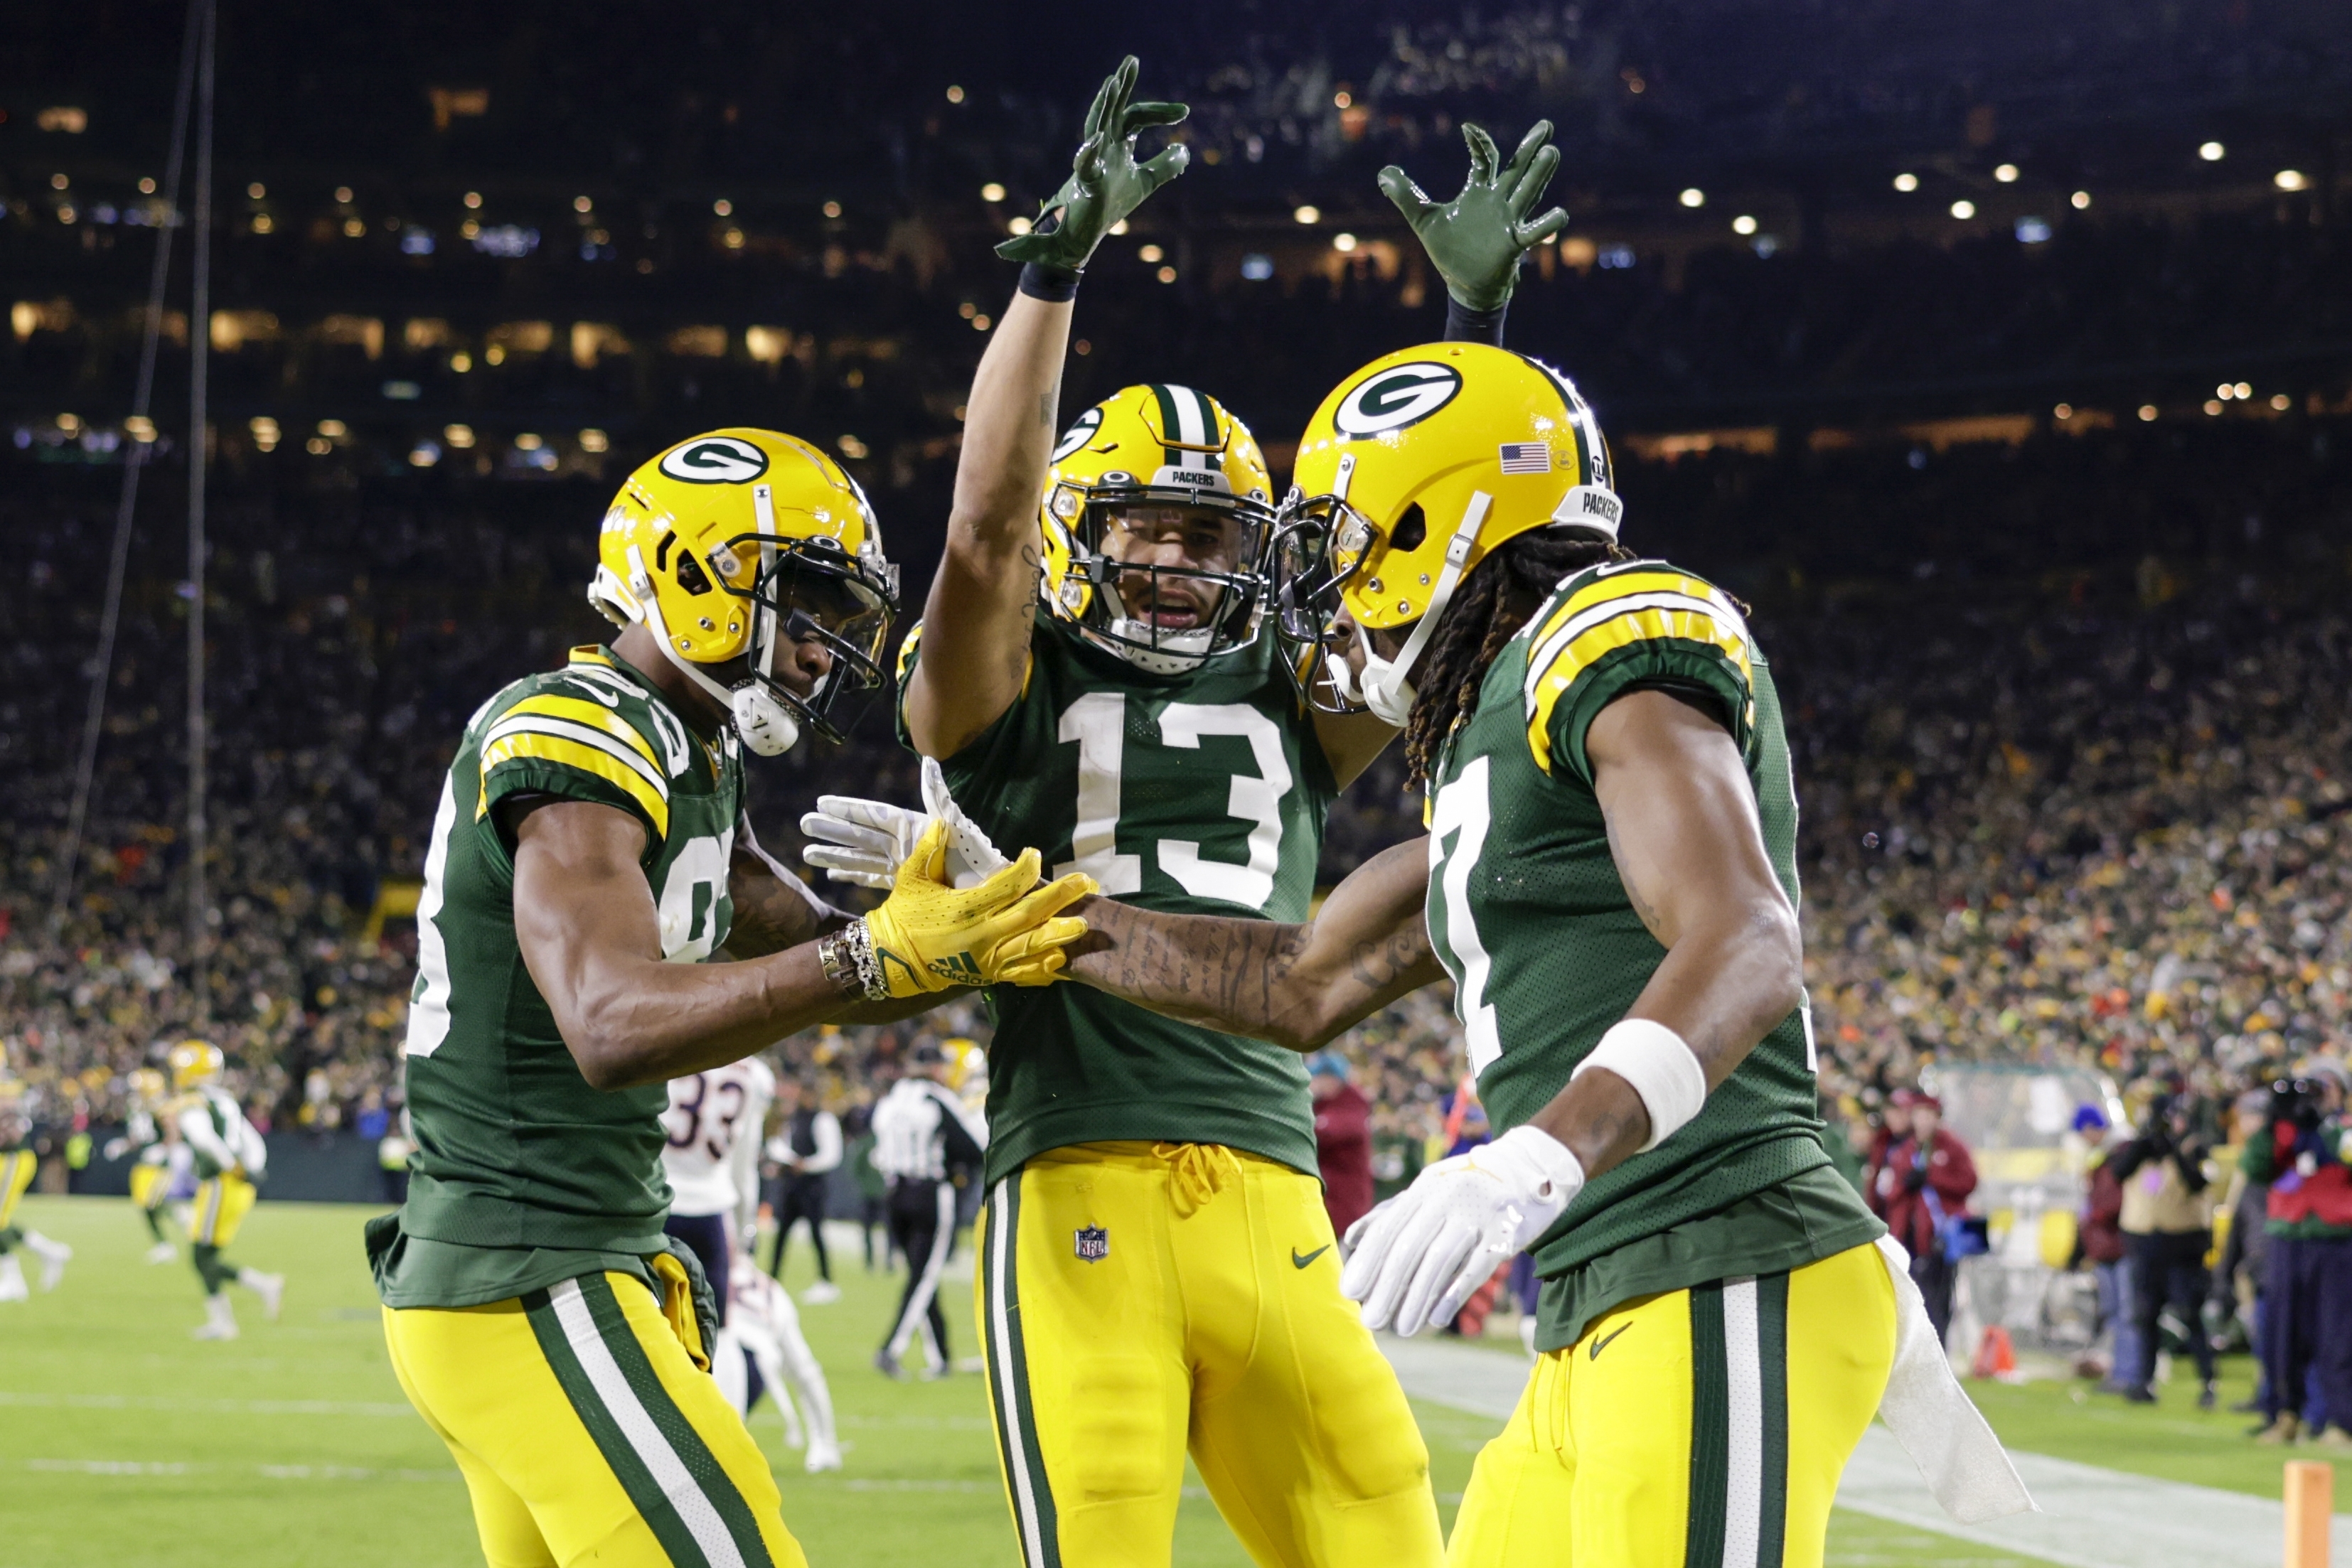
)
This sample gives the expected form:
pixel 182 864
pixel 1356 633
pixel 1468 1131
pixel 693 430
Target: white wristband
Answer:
pixel 1661 1067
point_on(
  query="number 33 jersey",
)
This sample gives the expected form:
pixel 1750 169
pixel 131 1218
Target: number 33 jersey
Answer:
pixel 514 1149
pixel 1200 793
pixel 1529 916
pixel 714 1126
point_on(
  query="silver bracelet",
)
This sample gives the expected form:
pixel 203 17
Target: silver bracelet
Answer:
pixel 837 957
pixel 860 940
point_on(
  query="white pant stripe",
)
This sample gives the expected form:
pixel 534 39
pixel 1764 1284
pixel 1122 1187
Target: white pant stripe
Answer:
pixel 669 1472
pixel 1743 1496
pixel 1008 1394
pixel 919 1303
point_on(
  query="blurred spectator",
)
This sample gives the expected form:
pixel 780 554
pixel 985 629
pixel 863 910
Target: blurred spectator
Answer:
pixel 1922 1188
pixel 2101 1236
pixel 2167 1227
pixel 805 1151
pixel 2245 1254
pixel 1343 1140
pixel 2309 1221
pixel 1894 1127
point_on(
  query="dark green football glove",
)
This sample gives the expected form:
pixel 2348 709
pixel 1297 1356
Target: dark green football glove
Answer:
pixel 1476 239
pixel 1106 182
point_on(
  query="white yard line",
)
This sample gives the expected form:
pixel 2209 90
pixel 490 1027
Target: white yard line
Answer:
pixel 202 1406
pixel 2092 1517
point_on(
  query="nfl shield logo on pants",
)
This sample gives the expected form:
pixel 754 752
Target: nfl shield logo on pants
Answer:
pixel 1094 1243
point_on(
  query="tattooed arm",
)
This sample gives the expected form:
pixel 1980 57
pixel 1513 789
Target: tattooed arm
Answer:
pixel 1296 985
pixel 976 625
pixel 1689 847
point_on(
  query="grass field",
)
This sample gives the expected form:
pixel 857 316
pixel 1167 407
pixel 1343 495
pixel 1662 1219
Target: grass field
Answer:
pixel 125 1443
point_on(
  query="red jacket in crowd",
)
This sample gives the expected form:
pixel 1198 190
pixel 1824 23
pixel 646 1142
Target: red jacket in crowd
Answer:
pixel 1343 1147
pixel 1946 1171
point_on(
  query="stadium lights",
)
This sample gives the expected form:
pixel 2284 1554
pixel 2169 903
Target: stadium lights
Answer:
pixel 333 429
pixel 955 94
pixel 2212 152
pixel 265 432
pixel 831 209
pixel 256 190
pixel 1308 215
pixel 424 454
pixel 58 182
pixel 1693 197
pixel 583 205
pixel 1964 209
pixel 2281 402
pixel 461 362
pixel 981 322
pixel 2212 405
pixel 2063 410
pixel 2006 173
pixel 1119 227
pixel 140 428
pixel 724 207
pixel 2225 390
pixel 1165 274
pixel 1017 224
pixel 2148 412
pixel 1343 244
pixel 594 440
pixel 992 192
pixel 343 195
pixel 460 436
pixel 1743 224
pixel 851 446
pixel 2242 390
pixel 473 200
pixel 2081 201
pixel 1343 98
pixel 2290 180
pixel 146 186
pixel 1149 254
pixel 1907 181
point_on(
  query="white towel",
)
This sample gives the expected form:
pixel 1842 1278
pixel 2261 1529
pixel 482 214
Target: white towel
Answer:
pixel 1933 1417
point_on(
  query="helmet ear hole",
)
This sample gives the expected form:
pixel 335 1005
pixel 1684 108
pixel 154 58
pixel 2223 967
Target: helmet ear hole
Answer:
pixel 1412 530
pixel 690 575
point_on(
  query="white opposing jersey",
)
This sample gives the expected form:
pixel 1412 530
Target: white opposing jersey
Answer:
pixel 714 1125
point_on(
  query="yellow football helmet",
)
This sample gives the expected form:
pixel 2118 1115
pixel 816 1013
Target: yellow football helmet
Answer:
pixel 732 543
pixel 194 1062
pixel 1152 447
pixel 148 1087
pixel 1413 471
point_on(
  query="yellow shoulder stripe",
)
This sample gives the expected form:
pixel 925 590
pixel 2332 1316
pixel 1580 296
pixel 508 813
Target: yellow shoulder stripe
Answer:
pixel 914 640
pixel 530 745
pixel 1615 613
pixel 582 710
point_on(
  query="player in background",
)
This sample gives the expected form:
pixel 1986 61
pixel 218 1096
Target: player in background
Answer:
pixel 710 1158
pixel 922 1144
pixel 1155 1221
pixel 18 1165
pixel 152 1148
pixel 230 1158
pixel 806 1149
pixel 1609 883
pixel 589 849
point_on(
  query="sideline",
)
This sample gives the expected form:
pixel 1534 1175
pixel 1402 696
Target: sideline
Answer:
pixel 2092 1518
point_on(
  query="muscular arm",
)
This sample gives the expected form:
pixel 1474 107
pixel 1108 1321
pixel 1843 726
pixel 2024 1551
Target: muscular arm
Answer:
pixel 590 938
pixel 977 622
pixel 1684 829
pixel 1296 985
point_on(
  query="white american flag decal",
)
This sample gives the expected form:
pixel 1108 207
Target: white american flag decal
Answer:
pixel 1525 457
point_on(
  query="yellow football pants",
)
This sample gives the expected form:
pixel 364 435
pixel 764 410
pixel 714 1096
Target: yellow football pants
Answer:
pixel 587 1434
pixel 16 1168
pixel 1701 1428
pixel 221 1207
pixel 148 1184
pixel 1138 1301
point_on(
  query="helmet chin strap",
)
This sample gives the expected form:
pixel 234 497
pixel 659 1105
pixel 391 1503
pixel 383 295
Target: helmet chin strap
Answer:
pixel 1386 683
pixel 764 725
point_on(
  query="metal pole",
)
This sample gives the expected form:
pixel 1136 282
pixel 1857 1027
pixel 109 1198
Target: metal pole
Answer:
pixel 199 346
pixel 102 666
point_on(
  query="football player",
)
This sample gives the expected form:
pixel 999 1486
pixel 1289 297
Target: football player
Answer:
pixel 19 1164
pixel 1094 674
pixel 150 1144
pixel 589 849
pixel 230 1157
pixel 1609 883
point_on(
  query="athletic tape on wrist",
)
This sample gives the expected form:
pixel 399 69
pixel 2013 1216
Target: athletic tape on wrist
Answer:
pixel 1661 1067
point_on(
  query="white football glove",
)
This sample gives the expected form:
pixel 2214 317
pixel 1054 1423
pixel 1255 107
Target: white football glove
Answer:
pixel 1413 1260
pixel 862 841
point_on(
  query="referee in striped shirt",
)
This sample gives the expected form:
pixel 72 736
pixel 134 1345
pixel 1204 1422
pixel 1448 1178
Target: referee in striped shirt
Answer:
pixel 922 1141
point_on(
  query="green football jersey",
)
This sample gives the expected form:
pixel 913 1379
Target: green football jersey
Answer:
pixel 1200 793
pixel 515 1153
pixel 1530 917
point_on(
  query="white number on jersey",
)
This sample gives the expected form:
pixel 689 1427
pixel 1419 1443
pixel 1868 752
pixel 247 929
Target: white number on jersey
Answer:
pixel 1097 722
pixel 1462 814
pixel 428 1012
pixel 690 898
pixel 702 1113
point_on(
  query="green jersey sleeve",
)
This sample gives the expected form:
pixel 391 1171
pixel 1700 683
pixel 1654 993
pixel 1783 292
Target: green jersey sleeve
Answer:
pixel 1617 628
pixel 573 735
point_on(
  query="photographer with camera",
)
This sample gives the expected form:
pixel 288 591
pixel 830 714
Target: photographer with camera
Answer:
pixel 1921 1191
pixel 2309 1225
pixel 2167 1225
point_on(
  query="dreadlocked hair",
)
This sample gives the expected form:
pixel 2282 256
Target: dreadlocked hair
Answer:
pixel 1487 611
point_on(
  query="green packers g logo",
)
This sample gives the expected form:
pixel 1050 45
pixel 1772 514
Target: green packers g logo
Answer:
pixel 715 460
pixel 1397 397
pixel 1078 434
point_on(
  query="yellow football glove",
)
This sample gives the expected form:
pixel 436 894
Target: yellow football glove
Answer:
pixel 928 936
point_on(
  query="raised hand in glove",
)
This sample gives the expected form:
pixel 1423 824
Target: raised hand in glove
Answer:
pixel 1476 239
pixel 928 936
pixel 1106 182
pixel 864 841
pixel 1413 1260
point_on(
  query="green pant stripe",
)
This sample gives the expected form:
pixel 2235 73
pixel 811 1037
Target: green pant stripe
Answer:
pixel 660 1515
pixel 1710 1438
pixel 1772 1347
pixel 1034 1517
